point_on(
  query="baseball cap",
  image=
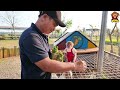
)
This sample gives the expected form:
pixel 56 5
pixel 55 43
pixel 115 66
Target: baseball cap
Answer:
pixel 56 15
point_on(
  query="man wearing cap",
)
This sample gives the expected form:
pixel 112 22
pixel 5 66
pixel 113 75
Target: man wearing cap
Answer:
pixel 35 52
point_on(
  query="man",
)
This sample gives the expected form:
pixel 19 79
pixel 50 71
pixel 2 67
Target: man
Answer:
pixel 35 52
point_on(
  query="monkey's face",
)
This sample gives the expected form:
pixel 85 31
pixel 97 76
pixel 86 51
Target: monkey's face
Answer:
pixel 115 15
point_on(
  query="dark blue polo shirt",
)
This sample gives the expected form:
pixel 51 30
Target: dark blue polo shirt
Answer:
pixel 33 48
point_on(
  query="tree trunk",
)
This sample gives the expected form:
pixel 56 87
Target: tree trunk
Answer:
pixel 96 38
pixel 119 50
pixel 118 44
pixel 117 38
pixel 14 34
pixel 11 34
pixel 110 36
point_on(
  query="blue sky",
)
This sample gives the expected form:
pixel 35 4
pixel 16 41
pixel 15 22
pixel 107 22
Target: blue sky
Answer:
pixel 79 18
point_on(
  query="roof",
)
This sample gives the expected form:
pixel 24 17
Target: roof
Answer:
pixel 62 38
pixel 80 41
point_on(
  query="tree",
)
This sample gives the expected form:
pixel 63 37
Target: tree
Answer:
pixel 10 18
pixel 117 34
pixel 91 32
pixel 84 31
pixel 68 24
pixel 57 32
pixel 110 37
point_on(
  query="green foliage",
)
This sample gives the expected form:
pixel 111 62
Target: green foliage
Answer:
pixel 60 56
pixel 58 30
pixel 55 49
pixel 114 42
pixel 8 37
pixel 5 36
pixel 57 54
pixel 68 23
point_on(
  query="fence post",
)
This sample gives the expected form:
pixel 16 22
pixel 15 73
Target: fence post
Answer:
pixel 8 51
pixel 102 41
pixel 3 52
pixel 18 51
pixel 15 49
pixel 119 49
pixel 0 53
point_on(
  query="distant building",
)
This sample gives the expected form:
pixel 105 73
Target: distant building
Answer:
pixel 95 31
pixel 9 27
pixel 9 30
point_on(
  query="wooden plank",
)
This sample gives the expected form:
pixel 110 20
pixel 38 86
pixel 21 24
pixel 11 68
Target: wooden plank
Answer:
pixel 1 54
pixel 15 51
pixel 5 53
pixel 91 50
pixel 85 51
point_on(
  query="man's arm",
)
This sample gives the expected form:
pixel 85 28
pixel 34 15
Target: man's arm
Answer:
pixel 75 57
pixel 54 66
pixel 75 53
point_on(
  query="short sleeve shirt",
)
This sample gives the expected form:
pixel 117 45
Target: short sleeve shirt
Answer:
pixel 33 48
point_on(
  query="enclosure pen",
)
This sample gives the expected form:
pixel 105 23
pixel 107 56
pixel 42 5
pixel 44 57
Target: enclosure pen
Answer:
pixel 111 68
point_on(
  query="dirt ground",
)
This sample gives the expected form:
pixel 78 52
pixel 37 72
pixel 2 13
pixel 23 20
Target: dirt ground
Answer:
pixel 10 68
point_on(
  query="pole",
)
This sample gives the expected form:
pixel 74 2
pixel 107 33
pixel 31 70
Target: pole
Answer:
pixel 102 41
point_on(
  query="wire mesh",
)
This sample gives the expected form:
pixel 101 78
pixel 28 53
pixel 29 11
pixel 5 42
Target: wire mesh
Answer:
pixel 110 69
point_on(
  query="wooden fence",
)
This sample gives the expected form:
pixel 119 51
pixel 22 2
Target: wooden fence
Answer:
pixel 9 52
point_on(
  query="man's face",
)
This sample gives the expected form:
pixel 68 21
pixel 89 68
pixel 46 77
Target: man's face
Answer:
pixel 50 25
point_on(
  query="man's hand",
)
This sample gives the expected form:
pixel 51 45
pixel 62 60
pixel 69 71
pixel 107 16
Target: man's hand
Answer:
pixel 80 66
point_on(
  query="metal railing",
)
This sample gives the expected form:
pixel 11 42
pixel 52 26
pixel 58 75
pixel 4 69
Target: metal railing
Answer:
pixel 110 69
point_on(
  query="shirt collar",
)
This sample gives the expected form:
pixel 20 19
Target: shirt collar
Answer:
pixel 34 26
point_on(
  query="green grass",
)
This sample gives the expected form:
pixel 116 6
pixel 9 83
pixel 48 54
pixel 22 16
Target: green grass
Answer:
pixel 106 39
pixel 108 48
pixel 12 43
pixel 9 43
pixel 113 39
